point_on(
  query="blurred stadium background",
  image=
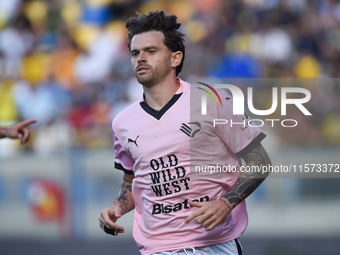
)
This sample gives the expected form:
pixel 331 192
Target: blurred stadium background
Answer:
pixel 66 64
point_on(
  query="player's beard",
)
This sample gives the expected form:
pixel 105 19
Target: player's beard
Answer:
pixel 155 75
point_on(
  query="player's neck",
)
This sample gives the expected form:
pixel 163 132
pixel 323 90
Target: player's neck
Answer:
pixel 158 96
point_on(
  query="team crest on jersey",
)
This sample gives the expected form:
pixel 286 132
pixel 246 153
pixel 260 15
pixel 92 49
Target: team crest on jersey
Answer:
pixel 190 129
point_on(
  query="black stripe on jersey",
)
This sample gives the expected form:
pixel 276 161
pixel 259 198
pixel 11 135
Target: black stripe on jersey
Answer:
pixel 239 248
pixel 120 167
pixel 185 132
pixel 160 113
pixel 186 127
pixel 251 146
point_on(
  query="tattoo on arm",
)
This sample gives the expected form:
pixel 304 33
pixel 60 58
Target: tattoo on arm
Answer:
pixel 258 156
pixel 125 196
pixel 248 181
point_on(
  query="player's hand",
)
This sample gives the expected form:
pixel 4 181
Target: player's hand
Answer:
pixel 108 218
pixel 20 131
pixel 210 214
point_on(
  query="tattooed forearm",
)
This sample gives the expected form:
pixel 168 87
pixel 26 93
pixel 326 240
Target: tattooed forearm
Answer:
pixel 124 197
pixel 248 181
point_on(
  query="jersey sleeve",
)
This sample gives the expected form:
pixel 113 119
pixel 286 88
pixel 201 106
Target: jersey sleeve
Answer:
pixel 123 160
pixel 236 133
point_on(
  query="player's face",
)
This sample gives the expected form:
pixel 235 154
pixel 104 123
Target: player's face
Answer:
pixel 150 58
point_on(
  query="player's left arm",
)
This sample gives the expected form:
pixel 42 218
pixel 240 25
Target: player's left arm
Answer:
pixel 248 181
pixel 212 213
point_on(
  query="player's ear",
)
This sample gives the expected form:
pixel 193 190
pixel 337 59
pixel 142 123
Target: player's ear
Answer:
pixel 176 58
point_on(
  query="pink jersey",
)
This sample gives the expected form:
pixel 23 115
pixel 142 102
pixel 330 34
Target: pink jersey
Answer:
pixel 165 150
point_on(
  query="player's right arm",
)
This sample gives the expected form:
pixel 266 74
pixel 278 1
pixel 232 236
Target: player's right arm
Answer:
pixel 121 205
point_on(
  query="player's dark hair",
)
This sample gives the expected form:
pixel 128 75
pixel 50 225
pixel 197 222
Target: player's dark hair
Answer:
pixel 159 21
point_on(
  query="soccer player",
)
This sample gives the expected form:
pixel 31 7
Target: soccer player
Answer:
pixel 178 211
pixel 17 131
